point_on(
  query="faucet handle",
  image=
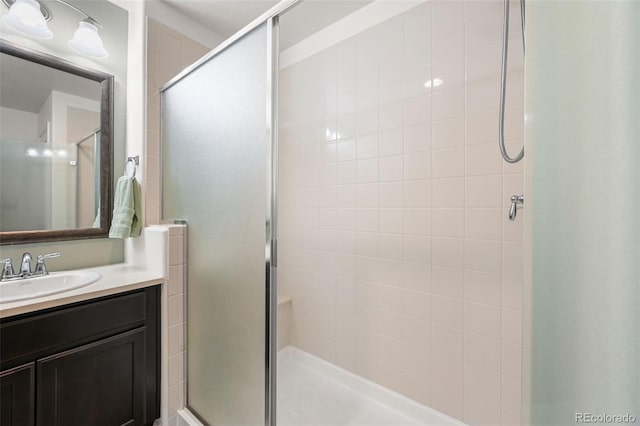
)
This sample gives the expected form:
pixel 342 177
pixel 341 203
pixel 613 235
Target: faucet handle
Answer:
pixel 41 268
pixel 7 269
pixel 48 256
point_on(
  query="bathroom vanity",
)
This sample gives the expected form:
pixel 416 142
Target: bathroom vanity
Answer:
pixel 94 361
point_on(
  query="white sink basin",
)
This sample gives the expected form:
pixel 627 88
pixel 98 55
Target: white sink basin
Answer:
pixel 56 282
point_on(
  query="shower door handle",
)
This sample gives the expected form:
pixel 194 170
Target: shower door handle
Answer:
pixel 513 211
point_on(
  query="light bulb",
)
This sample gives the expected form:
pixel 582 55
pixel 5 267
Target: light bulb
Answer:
pixel 433 83
pixel 87 41
pixel 26 17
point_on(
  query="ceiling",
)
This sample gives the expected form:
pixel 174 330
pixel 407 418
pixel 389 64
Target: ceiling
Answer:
pixel 26 86
pixel 225 17
pixel 313 15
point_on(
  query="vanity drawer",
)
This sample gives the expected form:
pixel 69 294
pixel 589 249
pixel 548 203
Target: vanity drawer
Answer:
pixel 32 336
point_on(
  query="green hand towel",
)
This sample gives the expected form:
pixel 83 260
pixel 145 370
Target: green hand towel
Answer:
pixel 136 222
pixel 127 220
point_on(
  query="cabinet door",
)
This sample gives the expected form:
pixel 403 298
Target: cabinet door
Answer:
pixel 17 396
pixel 99 384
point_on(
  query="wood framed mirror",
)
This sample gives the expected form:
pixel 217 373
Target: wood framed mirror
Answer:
pixel 56 148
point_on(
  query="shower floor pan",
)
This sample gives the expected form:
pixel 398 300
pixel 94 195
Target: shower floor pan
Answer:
pixel 313 392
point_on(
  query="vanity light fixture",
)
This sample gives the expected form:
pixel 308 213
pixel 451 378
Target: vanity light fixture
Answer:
pixel 87 41
pixel 27 17
pixel 57 153
pixel 30 17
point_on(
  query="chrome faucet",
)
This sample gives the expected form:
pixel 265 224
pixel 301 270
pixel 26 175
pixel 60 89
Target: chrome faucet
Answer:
pixel 25 267
pixel 513 211
pixel 7 270
pixel 41 268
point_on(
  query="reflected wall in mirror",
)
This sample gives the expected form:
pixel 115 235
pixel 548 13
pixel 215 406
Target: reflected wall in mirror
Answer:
pixel 55 147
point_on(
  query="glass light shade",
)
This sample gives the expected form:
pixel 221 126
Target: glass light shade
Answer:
pixel 26 17
pixel 87 41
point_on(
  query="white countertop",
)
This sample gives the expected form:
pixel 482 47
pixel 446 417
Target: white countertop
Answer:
pixel 114 279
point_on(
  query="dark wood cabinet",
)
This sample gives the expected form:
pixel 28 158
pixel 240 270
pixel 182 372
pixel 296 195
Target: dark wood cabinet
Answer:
pixel 17 395
pixel 99 384
pixel 91 363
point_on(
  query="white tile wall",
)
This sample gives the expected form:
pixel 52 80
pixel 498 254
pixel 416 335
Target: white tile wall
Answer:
pixel 393 240
pixel 175 312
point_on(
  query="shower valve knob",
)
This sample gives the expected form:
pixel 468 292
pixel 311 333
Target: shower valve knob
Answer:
pixel 515 200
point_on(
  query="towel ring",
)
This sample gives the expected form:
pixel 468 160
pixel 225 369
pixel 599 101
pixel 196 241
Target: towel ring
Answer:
pixel 131 160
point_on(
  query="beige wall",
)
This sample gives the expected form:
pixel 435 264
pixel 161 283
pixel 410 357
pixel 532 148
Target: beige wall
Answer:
pixel 394 242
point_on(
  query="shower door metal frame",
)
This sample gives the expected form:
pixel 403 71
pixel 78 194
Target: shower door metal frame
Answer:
pixel 271 243
pixel 271 19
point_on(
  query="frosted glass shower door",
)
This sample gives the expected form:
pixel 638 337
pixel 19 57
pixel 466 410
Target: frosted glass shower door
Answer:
pixel 216 146
pixel 583 204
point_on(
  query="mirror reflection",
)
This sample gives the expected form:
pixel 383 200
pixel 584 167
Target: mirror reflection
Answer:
pixel 49 148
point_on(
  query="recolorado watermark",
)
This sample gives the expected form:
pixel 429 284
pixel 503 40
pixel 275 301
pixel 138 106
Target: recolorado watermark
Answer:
pixel 605 418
